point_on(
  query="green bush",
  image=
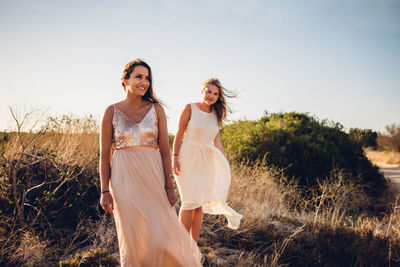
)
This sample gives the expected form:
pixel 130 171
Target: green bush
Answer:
pixel 304 147
pixel 365 137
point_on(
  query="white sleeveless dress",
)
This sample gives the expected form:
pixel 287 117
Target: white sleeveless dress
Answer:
pixel 205 175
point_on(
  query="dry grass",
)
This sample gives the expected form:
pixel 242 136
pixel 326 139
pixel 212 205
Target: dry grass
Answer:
pixel 383 157
pixel 25 247
pixel 73 141
pixel 31 250
pixel 280 227
pixel 47 156
pixel 283 224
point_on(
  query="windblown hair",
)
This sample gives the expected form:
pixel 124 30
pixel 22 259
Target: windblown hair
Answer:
pixel 126 74
pixel 221 107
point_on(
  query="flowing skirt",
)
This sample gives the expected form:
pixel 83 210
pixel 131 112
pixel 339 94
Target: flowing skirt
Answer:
pixel 149 232
pixel 204 181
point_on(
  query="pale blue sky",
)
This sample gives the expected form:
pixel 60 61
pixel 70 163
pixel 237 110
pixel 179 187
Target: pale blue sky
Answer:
pixel 337 60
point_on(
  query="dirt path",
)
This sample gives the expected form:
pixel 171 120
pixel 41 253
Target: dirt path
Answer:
pixel 392 172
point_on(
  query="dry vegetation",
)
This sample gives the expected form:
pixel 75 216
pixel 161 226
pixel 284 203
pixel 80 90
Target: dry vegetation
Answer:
pixel 47 174
pixel 334 224
pixel 280 227
pixel 383 157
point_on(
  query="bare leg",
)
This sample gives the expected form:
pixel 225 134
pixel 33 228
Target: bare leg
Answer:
pixel 185 216
pixel 197 221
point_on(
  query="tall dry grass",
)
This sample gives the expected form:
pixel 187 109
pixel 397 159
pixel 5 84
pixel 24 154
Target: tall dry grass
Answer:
pixel 43 163
pixel 331 224
pixel 383 157
pixel 281 227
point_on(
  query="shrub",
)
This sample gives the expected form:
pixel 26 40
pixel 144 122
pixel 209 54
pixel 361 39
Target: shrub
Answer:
pixel 51 171
pixel 391 139
pixel 49 181
pixel 366 137
pixel 304 147
pixel 27 249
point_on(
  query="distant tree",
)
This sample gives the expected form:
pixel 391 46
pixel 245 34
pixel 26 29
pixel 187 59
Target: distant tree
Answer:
pixel 365 137
pixel 391 139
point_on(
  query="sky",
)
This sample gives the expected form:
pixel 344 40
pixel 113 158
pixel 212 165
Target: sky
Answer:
pixel 336 60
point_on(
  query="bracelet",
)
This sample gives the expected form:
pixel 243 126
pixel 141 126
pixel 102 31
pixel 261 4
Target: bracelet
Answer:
pixel 105 191
pixel 176 154
pixel 171 175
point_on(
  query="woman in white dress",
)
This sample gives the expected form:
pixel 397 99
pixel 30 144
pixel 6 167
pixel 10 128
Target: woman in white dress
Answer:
pixel 136 185
pixel 200 167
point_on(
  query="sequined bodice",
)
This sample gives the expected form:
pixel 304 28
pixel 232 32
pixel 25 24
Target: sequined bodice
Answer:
pixel 129 133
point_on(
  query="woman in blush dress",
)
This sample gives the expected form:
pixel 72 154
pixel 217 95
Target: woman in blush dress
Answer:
pixel 202 171
pixel 136 181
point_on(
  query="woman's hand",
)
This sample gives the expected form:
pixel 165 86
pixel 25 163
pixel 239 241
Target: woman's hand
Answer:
pixel 106 202
pixel 176 166
pixel 171 195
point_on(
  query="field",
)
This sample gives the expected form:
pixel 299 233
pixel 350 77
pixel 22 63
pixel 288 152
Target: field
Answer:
pixel 50 213
pixel 382 158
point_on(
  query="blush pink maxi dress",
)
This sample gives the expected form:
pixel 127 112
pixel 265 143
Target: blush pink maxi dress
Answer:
pixel 149 232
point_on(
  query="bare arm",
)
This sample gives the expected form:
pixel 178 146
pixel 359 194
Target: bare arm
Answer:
pixel 218 143
pixel 106 200
pixel 163 146
pixel 182 125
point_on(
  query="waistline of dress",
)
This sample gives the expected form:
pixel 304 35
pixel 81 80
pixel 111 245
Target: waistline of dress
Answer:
pixel 196 143
pixel 143 148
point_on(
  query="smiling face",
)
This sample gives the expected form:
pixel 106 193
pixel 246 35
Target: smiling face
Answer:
pixel 138 82
pixel 210 94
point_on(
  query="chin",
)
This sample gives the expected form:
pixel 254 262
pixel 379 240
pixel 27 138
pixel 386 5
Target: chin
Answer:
pixel 141 93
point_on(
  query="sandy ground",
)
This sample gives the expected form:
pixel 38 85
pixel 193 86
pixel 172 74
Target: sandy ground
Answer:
pixel 392 172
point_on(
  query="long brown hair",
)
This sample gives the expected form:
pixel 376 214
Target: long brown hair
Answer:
pixel 126 74
pixel 220 106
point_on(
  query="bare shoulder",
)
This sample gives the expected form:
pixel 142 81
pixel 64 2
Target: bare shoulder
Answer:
pixel 186 114
pixel 109 112
pixel 118 104
pixel 187 109
pixel 159 109
pixel 107 118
